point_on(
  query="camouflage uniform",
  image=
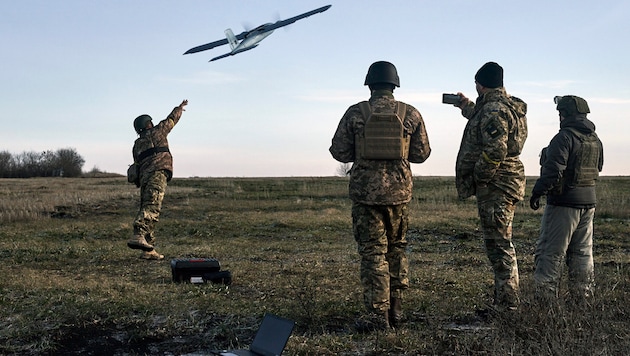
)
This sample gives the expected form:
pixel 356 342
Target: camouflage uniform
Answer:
pixel 155 171
pixel 380 191
pixel 489 167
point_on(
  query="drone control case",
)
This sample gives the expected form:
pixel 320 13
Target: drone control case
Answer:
pixel 199 270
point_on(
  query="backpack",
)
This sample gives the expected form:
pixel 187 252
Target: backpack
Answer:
pixel 384 136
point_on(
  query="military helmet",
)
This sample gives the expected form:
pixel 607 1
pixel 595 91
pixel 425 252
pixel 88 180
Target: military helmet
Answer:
pixel 382 72
pixel 140 123
pixel 571 105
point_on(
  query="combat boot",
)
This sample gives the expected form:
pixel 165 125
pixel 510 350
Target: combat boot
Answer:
pixel 139 243
pixel 377 321
pixel 506 300
pixel 395 312
pixel 151 255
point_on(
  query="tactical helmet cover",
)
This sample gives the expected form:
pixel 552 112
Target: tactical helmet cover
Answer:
pixel 140 123
pixel 571 105
pixel 382 72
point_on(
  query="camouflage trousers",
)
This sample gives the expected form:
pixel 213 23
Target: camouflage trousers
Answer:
pixel 566 234
pixel 496 213
pixel 380 232
pixel 152 189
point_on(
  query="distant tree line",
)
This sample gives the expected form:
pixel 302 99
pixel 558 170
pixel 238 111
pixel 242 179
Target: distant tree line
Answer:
pixel 65 162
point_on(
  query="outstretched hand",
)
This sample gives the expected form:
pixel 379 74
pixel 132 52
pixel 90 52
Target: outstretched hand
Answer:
pixel 184 103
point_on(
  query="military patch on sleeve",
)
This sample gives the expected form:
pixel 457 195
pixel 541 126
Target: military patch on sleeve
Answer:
pixel 493 129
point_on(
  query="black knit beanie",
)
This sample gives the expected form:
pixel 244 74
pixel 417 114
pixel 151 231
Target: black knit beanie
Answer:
pixel 490 75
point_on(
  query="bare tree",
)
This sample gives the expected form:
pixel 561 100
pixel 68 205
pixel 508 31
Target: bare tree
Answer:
pixel 69 163
pixel 7 164
pixel 28 164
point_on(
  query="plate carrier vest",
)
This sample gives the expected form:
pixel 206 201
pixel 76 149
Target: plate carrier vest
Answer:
pixel 384 136
pixel 585 170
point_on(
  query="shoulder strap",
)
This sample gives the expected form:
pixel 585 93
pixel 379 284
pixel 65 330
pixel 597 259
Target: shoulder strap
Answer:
pixel 402 111
pixel 365 108
pixel 151 151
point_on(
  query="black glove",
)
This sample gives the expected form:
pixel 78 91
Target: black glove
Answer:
pixel 534 202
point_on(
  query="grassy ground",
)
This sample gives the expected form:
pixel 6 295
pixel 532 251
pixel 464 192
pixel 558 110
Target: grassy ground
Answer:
pixel 69 284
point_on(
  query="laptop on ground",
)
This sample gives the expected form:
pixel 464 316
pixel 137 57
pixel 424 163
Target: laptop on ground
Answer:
pixel 270 339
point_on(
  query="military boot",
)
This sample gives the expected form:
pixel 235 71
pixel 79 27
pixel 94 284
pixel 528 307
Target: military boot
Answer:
pixel 151 255
pixel 395 312
pixel 377 321
pixel 139 243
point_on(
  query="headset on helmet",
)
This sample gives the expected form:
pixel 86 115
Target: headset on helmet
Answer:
pixel 382 72
pixel 140 123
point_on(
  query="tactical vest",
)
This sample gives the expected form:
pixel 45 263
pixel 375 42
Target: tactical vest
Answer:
pixel 383 136
pixel 585 169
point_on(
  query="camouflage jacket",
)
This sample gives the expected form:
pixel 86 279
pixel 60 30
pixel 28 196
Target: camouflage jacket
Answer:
pixel 156 137
pixel 380 182
pixel 492 142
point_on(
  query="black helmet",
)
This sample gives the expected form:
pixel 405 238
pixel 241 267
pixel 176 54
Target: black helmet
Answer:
pixel 571 105
pixel 140 123
pixel 382 72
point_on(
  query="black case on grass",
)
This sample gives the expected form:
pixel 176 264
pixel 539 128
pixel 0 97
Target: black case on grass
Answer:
pixel 199 270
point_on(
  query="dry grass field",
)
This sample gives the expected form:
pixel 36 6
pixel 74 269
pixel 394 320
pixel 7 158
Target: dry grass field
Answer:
pixel 69 285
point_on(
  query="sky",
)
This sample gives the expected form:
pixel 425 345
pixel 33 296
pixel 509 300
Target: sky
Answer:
pixel 75 74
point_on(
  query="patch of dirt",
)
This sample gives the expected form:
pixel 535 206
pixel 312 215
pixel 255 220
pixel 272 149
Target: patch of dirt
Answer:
pixel 111 341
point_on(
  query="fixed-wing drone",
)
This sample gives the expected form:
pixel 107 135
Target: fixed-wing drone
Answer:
pixel 251 39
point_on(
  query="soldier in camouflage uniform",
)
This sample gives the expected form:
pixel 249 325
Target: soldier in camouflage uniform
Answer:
pixel 570 166
pixel 488 166
pixel 151 153
pixel 380 188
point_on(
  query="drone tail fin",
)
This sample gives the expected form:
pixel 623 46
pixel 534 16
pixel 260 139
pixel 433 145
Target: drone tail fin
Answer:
pixel 231 38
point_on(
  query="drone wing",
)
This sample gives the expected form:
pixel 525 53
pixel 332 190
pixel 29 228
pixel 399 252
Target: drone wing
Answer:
pixel 261 29
pixel 291 20
pixel 211 45
pixel 221 56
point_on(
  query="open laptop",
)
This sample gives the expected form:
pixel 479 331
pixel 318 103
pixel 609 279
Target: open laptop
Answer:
pixel 270 339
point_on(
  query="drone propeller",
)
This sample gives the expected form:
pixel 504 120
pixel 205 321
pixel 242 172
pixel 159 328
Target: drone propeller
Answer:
pixel 279 18
pixel 246 26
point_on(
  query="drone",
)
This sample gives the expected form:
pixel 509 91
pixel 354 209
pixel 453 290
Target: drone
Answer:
pixel 248 40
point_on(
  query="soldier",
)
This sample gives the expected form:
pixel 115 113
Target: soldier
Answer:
pixel 488 166
pixel 381 137
pixel 151 153
pixel 570 166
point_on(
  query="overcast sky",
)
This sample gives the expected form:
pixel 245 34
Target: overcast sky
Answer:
pixel 75 74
